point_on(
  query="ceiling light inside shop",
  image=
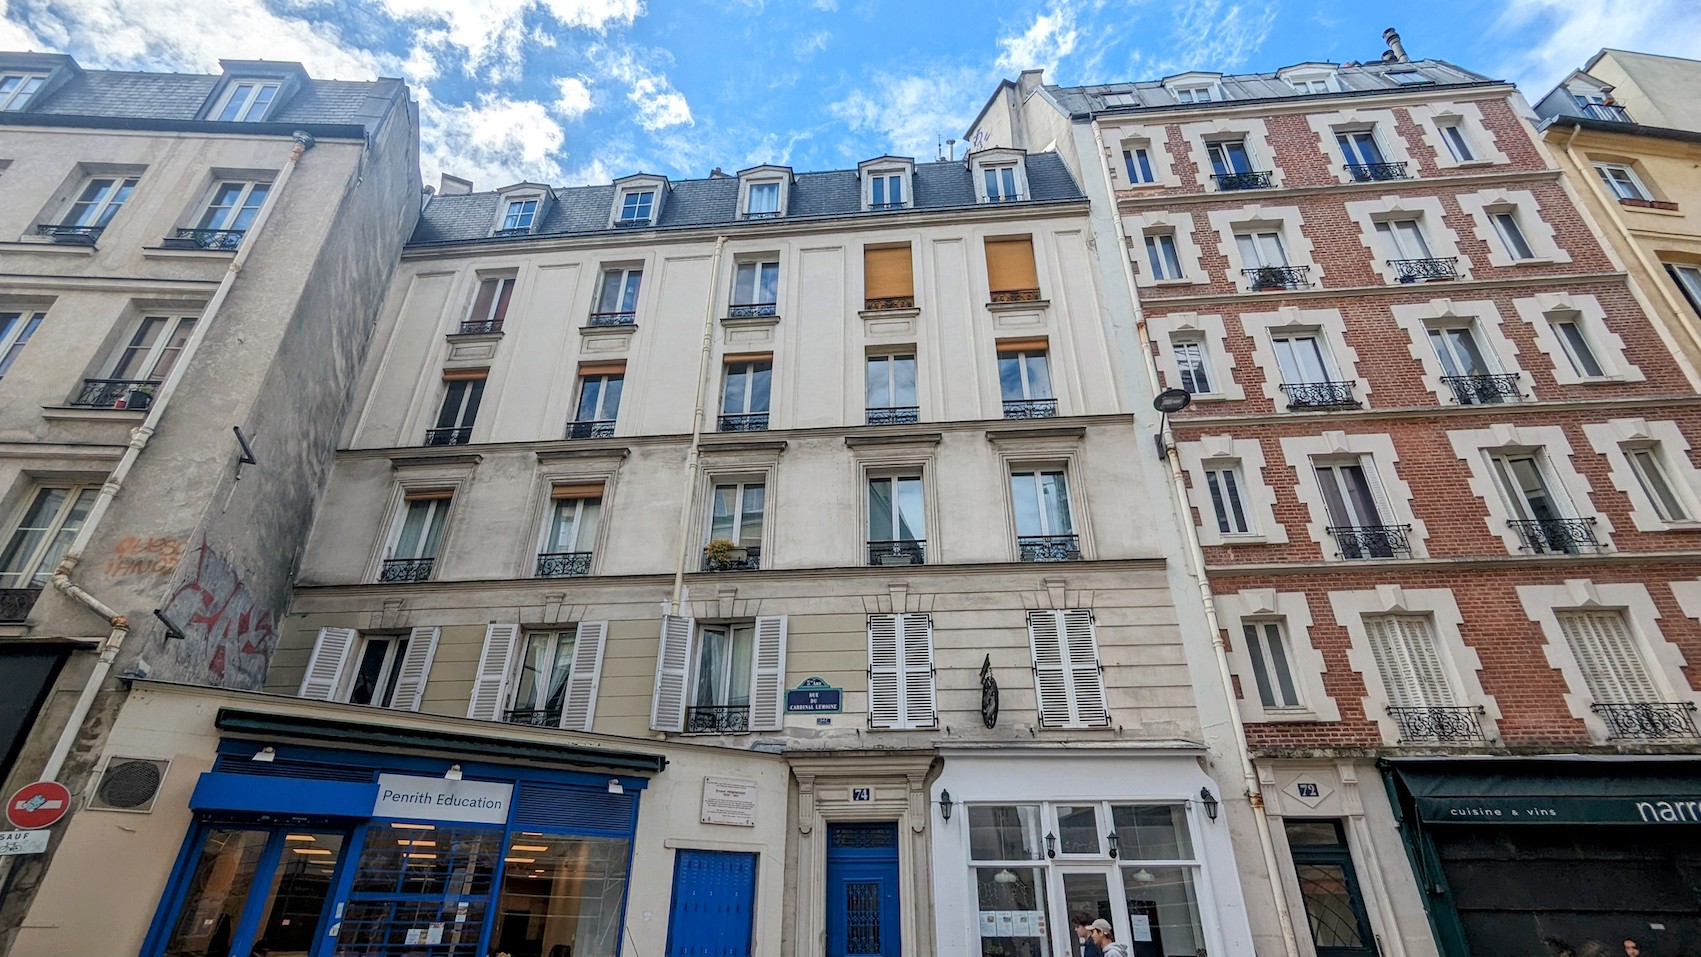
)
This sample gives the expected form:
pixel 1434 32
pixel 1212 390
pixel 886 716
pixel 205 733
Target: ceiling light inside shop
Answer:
pixel 521 860
pixel 407 843
pixel 312 851
pixel 300 837
pixel 423 857
pixel 539 848
pixel 413 827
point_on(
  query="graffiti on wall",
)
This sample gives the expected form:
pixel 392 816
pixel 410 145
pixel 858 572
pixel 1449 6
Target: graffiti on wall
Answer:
pixel 228 634
pixel 146 556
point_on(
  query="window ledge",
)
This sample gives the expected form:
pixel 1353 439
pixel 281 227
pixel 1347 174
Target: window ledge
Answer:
pixel 893 438
pixel 1020 432
pixel 910 313
pixel 1658 207
pixel 77 413
pixel 1028 306
pixel 1689 526
pixel 753 322
pixel 1231 539
pixel 51 248
pixel 1289 716
pixel 421 457
pixel 1177 281
pixel 1470 163
pixel 472 337
pixel 167 252
pixel 615 331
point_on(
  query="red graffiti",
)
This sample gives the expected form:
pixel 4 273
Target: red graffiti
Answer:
pixel 222 623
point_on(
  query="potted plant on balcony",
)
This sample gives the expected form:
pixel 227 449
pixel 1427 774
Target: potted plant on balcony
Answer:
pixel 721 551
pixel 138 399
pixel 1269 277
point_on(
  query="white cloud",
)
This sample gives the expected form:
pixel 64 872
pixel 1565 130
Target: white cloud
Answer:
pixel 659 105
pixel 811 44
pixel 913 113
pixel 1560 36
pixel 1050 38
pixel 575 100
pixel 826 6
pixel 493 142
pixel 490 31
pixel 1211 36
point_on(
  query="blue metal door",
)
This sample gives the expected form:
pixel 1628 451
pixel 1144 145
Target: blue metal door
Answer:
pixel 862 890
pixel 714 894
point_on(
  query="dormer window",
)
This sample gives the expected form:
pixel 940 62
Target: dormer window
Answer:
pixel 1001 175
pixel 764 201
pixel 17 89
pixel 1124 98
pixel 1000 182
pixel 521 208
pixel 1408 78
pixel 1195 87
pixel 637 207
pixel 762 191
pixel 886 182
pixel 1310 77
pixel 520 215
pixel 1193 94
pixel 886 191
pixel 247 101
pixel 638 201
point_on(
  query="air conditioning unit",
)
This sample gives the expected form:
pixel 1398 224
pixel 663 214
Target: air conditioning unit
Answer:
pixel 129 784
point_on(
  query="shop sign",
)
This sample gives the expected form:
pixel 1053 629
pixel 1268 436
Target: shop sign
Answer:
pixel 22 842
pixel 1566 809
pixel 729 802
pixel 813 696
pixel 440 799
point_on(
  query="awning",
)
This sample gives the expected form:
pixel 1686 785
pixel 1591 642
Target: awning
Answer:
pixel 1581 791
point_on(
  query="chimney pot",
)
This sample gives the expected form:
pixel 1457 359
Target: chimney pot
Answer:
pixel 1395 46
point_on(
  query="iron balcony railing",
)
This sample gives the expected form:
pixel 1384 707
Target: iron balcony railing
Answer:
pixel 1445 725
pixel 717 719
pixel 1547 536
pixel 613 318
pixel 753 310
pixel 1483 389
pixel 909 551
pixel 563 565
pixel 888 302
pixel 633 223
pixel 1373 541
pixel 753 422
pixel 396 570
pixel 459 435
pixel 1648 719
pixel 224 240
pixel 1319 395
pixel 1375 172
pixel 883 206
pixel 743 558
pixel 511 231
pixel 115 394
pixel 1278 277
pixel 1255 179
pixel 599 429
pixel 15 604
pixel 534 717
pixel 1612 113
pixel 763 214
pixel 1030 408
pixel 70 235
pixel 1425 270
pixel 894 415
pixel 1015 295
pixel 481 327
pixel 1005 198
pixel 1048 548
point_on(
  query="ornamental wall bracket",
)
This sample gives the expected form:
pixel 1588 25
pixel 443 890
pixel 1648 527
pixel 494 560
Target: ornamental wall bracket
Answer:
pixel 988 694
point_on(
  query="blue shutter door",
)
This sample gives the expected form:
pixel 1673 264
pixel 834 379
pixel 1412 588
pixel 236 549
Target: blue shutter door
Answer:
pixel 713 903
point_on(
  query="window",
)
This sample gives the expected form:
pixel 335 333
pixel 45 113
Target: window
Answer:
pixel 1607 655
pixel 1511 234
pixel 1120 98
pixel 1328 885
pixel 48 526
pixel 888 278
pixel 1000 184
pixel 1138 163
pixel 1621 181
pixel 1465 367
pixel 1010 272
pixel 900 672
pixel 736 514
pixel 462 392
pixel 1403 239
pixel 617 301
pixel 16 327
pixel 377 670
pixel 1688 279
pixel 897 533
pixel 599 400
pixel 724 655
pixel 17 89
pixel 247 101
pixel 154 349
pixel 540 689
pixel 519 217
pixel 1309 84
pixel 1363 156
pixel 101 199
pixel 1453 135
pixel 763 201
pixel 886 191
pixel 1024 379
pixel 1267 650
pixel 1302 359
pixel 419 532
pixel 1542 518
pixel 1044 529
pixel 1193 363
pixel 755 288
pixel 233 207
pixel 1261 249
pixel 1160 252
pixel 1224 484
pixel 1359 516
pixel 636 207
pixel 545 678
pixel 744 394
pixel 726 677
pixel 1193 94
pixel 381 671
pixel 1651 475
pixel 1409 661
pixel 1229 157
pixel 1068 680
pixel 891 396
pixel 570 531
pixel 490 305
pixel 1409 78
pixel 1575 342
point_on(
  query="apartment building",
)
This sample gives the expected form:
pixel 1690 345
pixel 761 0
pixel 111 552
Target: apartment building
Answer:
pixel 1438 453
pixel 189 269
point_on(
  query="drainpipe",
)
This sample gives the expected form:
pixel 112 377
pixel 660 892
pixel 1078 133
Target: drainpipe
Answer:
pixel 695 453
pixel 139 438
pixel 1196 561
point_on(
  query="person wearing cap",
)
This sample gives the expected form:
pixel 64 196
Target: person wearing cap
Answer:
pixel 1102 935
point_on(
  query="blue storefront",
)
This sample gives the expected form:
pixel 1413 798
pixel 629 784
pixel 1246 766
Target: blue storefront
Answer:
pixel 326 838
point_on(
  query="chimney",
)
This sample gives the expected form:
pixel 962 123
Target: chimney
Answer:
pixel 1394 46
pixel 454 186
pixel 718 173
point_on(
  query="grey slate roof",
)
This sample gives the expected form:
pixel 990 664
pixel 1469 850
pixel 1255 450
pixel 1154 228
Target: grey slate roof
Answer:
pixel 1369 77
pixel 713 202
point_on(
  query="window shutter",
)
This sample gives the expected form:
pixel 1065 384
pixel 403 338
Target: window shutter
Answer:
pixel 919 709
pixel 1010 264
pixel 580 705
pixel 885 685
pixel 887 273
pixel 1409 661
pixel 1378 493
pixel 410 684
pixel 673 669
pixel 1086 680
pixel 1606 653
pixel 768 675
pixel 325 667
pixel 1051 680
pixel 495 664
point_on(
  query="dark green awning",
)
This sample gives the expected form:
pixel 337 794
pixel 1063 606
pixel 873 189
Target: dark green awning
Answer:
pixel 1582 791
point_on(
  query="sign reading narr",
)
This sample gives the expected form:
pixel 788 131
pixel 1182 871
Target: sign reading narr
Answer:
pixel 439 799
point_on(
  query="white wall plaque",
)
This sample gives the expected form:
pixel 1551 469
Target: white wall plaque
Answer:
pixel 439 799
pixel 729 802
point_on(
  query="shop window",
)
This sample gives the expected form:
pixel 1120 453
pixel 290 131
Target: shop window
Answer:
pixel 560 896
pixel 415 883
pixel 1068 679
pixel 720 677
pixel 255 890
pixel 888 277
pixel 1078 829
pixel 1328 886
pixel 900 672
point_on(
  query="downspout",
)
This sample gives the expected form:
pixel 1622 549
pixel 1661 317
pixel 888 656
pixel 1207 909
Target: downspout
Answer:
pixel 695 452
pixel 1196 561
pixel 139 438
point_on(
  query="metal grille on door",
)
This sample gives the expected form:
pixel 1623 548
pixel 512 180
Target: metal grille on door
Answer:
pixel 862 917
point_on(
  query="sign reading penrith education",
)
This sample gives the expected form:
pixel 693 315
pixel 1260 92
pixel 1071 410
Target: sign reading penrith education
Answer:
pixel 439 799
pixel 813 696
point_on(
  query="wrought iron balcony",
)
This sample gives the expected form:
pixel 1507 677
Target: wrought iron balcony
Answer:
pixel 459 435
pixel 1048 548
pixel 70 235
pixel 875 207
pixel 15 604
pixel 753 310
pixel 599 429
pixel 754 422
pixel 511 231
pixel 1482 389
pixel 1320 395
pixel 135 394
pixel 483 327
pixel 1005 198
pixel 741 558
pixel 1548 536
pixel 1030 408
pixel 1015 295
pixel 1439 725
pixel 1277 277
pixel 717 719
pixel 396 570
pixel 1376 172
pixel 633 223
pixel 1256 179
pixel 223 240
pixel 889 302
pixel 1373 541
pixel 563 565
pixel 612 318
pixel 910 551
pixel 1425 270
pixel 763 214
pixel 895 415
pixel 1612 113
pixel 1648 719
pixel 534 717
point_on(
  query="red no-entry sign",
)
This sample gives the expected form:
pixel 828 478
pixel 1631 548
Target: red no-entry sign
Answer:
pixel 38 805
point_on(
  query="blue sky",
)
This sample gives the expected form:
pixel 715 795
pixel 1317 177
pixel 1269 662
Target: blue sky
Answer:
pixel 575 91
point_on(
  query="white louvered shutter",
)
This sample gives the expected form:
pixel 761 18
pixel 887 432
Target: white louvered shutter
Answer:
pixel 1086 681
pixel 416 666
pixel 1378 492
pixel 916 634
pixel 768 675
pixel 673 670
pixel 580 705
pixel 331 653
pixel 1612 667
pixel 1051 679
pixel 1409 662
pixel 495 666
pixel 885 684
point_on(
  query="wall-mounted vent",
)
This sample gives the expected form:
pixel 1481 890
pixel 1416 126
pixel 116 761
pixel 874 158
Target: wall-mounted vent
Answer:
pixel 129 784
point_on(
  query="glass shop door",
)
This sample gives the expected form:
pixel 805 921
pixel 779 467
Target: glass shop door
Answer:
pixel 256 891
